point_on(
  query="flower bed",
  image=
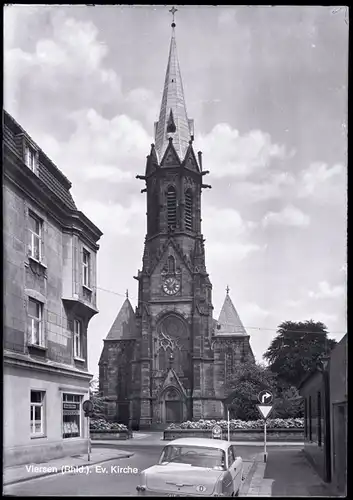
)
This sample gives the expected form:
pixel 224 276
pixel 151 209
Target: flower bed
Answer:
pixel 277 429
pixel 102 429
pixel 275 423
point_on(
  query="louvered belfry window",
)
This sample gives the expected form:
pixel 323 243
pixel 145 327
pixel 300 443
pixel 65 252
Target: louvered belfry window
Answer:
pixel 171 206
pixel 188 210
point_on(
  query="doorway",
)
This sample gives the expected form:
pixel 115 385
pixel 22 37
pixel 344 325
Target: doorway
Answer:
pixel 173 406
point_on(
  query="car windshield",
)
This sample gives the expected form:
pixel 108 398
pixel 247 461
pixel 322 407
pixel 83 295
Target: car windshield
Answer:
pixel 196 456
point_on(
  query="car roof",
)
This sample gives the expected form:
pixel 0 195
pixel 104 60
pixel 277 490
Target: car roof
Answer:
pixel 202 442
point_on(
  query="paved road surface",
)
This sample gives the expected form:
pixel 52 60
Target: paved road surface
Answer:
pixel 105 479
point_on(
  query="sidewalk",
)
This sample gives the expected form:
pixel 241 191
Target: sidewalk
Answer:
pixel 156 439
pixel 286 473
pixel 26 472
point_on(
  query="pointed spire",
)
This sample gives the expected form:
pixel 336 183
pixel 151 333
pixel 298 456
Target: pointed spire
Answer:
pixel 173 120
pixel 229 322
pixel 124 326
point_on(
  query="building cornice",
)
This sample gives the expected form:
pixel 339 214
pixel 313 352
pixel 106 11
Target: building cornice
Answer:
pixel 24 361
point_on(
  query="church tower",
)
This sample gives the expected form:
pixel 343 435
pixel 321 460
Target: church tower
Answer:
pixel 174 313
pixel 169 360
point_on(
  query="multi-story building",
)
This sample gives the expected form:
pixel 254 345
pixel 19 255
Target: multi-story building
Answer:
pixel 50 251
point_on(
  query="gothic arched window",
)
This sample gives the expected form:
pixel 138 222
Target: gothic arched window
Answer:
pixel 171 264
pixel 188 210
pixel 171 206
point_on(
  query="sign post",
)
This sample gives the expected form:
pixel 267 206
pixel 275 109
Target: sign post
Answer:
pixel 265 398
pixel 216 432
pixel 88 409
pixel 228 425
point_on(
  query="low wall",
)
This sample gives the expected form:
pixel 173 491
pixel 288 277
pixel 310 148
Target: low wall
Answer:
pixel 273 435
pixel 43 452
pixel 110 435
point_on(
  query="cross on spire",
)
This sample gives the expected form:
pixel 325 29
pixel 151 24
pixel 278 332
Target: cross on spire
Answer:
pixel 127 294
pixel 227 290
pixel 173 10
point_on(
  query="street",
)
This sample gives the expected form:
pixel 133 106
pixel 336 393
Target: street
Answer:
pixel 105 479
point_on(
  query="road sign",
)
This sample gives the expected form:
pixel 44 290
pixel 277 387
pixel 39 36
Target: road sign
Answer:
pixel 264 410
pixel 87 407
pixel 265 397
pixel 216 432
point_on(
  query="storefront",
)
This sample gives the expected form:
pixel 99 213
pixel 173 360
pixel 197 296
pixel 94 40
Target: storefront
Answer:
pixel 43 415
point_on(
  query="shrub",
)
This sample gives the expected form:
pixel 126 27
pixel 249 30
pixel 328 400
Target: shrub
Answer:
pixel 275 423
pixel 100 424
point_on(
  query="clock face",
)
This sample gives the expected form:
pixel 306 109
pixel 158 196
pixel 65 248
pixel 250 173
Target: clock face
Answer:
pixel 171 286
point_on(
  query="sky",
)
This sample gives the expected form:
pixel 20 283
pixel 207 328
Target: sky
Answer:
pixel 267 89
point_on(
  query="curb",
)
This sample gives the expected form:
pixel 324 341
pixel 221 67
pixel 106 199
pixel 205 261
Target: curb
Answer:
pixel 46 474
pixel 246 486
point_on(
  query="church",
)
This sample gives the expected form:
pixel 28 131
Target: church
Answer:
pixel 169 360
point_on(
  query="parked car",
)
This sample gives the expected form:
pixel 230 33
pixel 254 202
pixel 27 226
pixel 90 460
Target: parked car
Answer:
pixel 194 467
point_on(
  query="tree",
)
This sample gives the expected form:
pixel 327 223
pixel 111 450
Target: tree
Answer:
pixel 244 387
pixel 296 349
pixel 94 386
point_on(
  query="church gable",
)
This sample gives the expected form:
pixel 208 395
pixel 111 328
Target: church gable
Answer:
pixel 190 161
pixel 170 249
pixel 170 158
pixel 172 380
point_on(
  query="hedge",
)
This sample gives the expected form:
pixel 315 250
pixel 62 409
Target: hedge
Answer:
pixel 275 423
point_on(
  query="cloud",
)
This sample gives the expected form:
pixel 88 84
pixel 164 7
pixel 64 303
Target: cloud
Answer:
pixel 344 269
pixel 226 16
pixel 289 216
pixel 323 184
pixel 229 234
pixel 230 251
pixel 115 219
pixel 68 65
pixel 224 222
pixel 99 149
pixel 325 291
pixel 275 185
pixel 252 313
pixel 293 303
pixel 230 154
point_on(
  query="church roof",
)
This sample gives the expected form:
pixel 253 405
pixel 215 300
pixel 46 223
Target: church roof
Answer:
pixel 124 326
pixel 229 322
pixel 173 120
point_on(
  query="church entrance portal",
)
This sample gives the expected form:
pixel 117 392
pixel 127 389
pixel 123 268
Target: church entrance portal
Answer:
pixel 173 406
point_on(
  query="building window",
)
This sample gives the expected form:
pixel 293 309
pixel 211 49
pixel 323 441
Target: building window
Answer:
pixel 77 339
pixel 31 158
pixel 36 231
pixel 71 415
pixel 319 422
pixel 171 207
pixel 35 314
pixel 188 210
pixel 310 420
pixel 86 268
pixel 37 413
pixel 171 264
